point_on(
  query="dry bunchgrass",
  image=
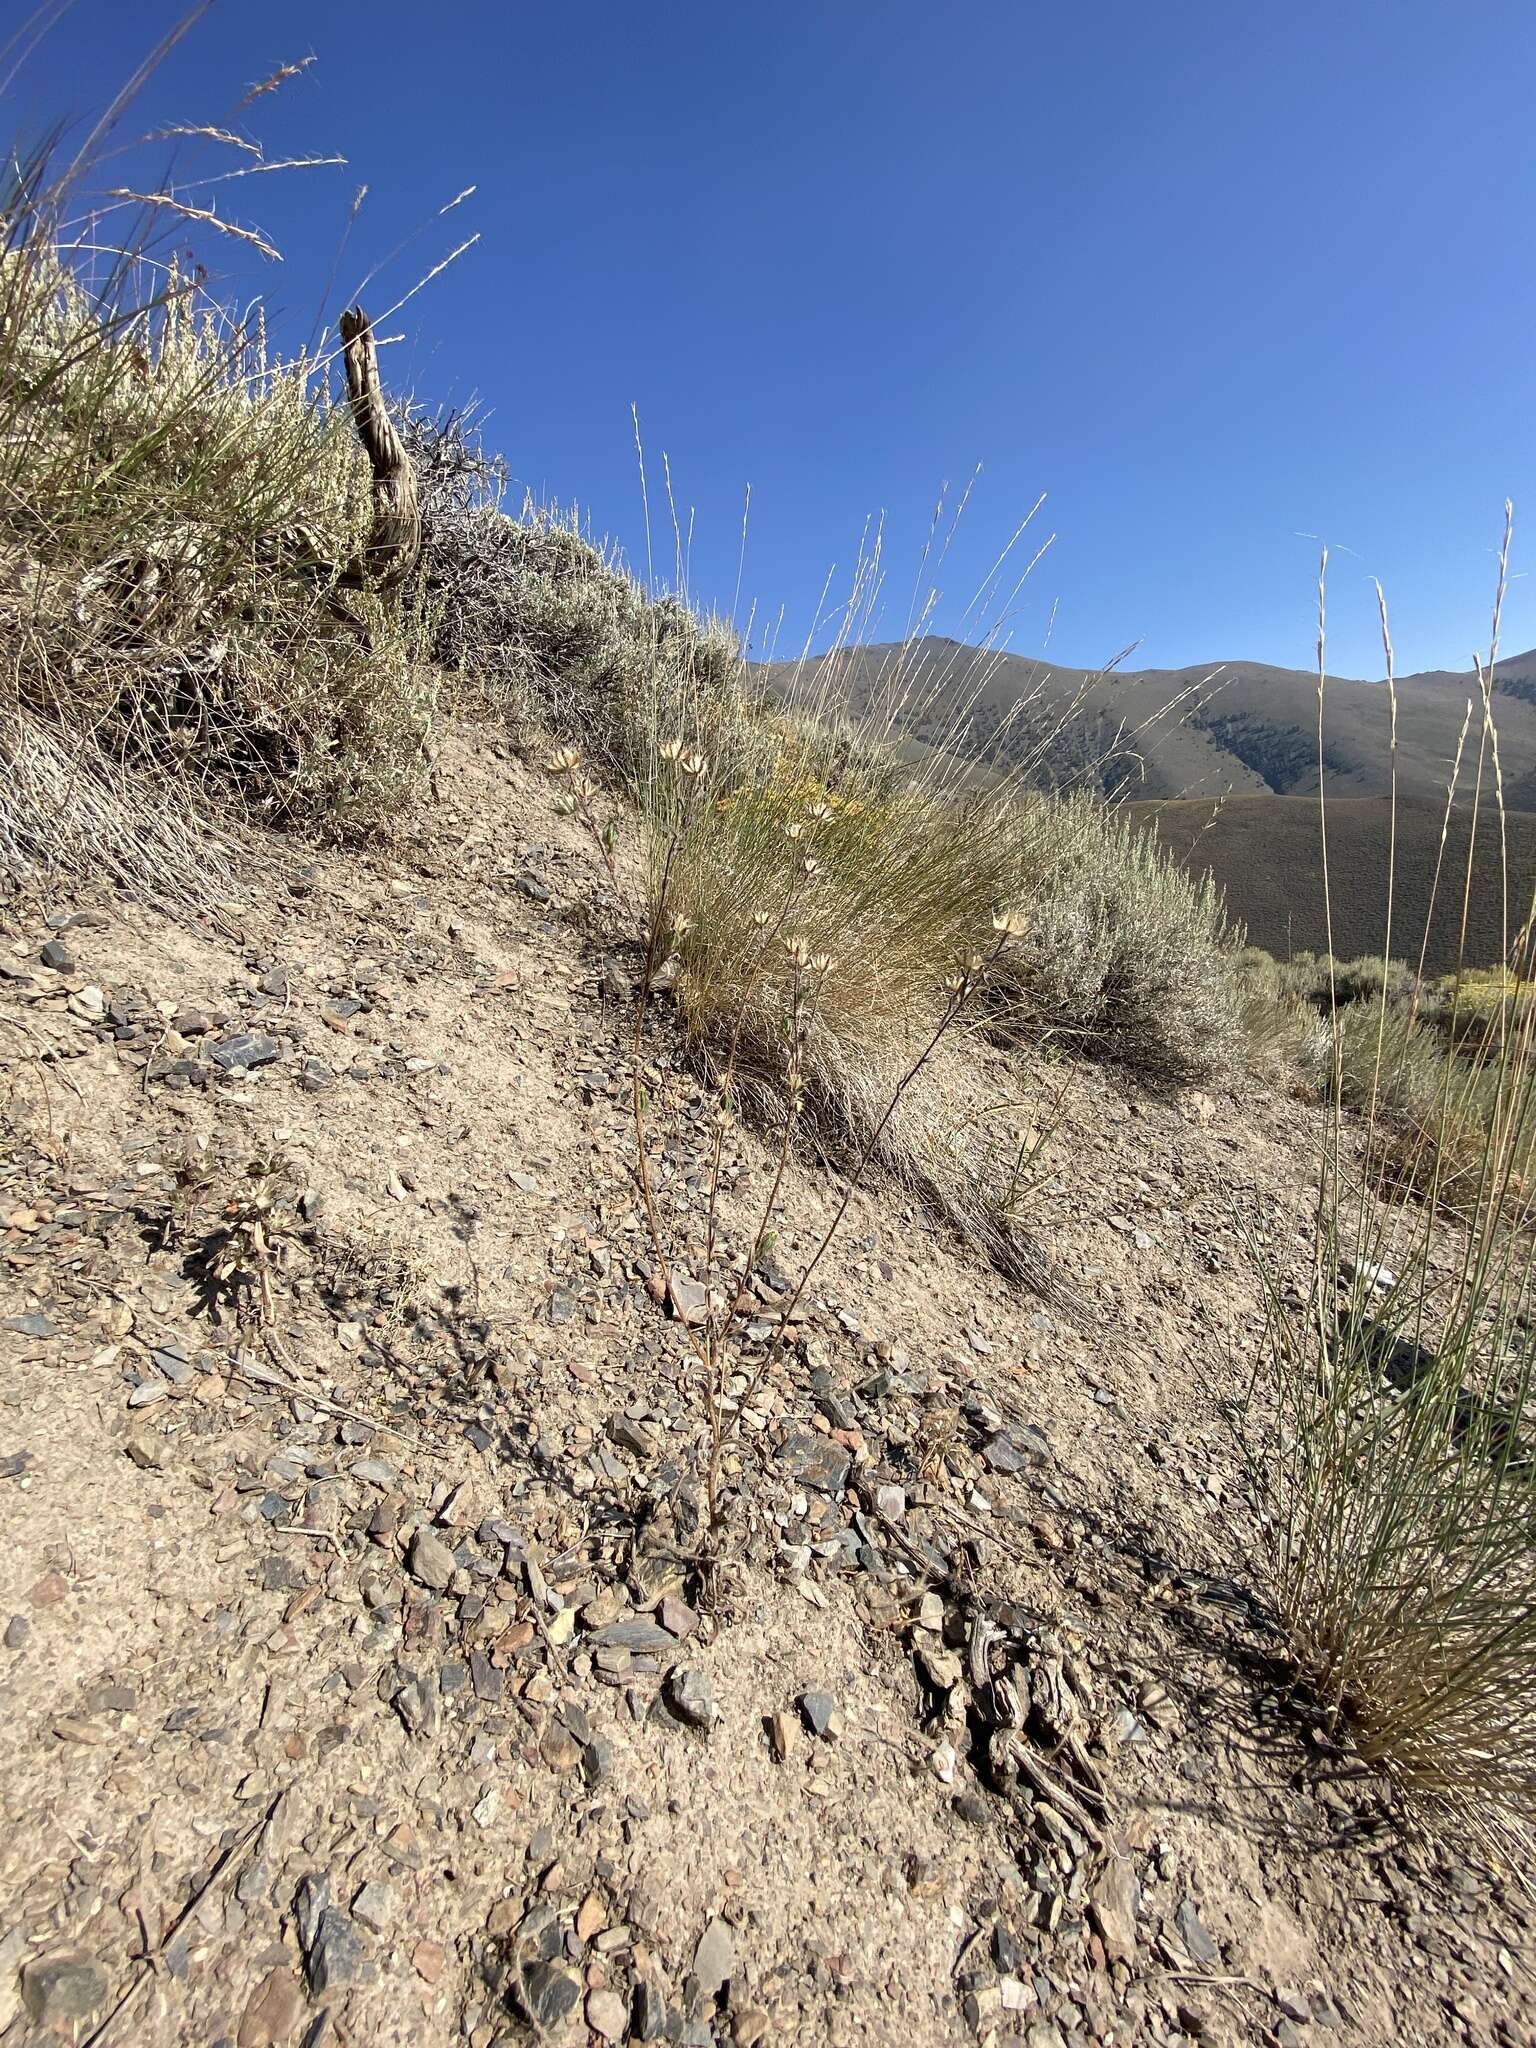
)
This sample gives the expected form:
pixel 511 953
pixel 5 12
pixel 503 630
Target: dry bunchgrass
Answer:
pixel 176 505
pixel 66 807
pixel 779 970
pixel 890 890
pixel 1399 1459
pixel 891 877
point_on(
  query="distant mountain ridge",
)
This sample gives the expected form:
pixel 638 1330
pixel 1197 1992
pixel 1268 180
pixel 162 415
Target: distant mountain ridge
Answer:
pixel 1220 759
pixel 1240 726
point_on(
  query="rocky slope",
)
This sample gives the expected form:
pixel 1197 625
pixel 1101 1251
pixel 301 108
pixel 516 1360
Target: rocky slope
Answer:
pixel 359 1683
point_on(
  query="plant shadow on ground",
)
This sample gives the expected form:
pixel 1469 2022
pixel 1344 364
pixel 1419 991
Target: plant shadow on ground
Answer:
pixel 1273 1725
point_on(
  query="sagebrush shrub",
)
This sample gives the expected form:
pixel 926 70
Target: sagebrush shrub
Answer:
pixel 551 629
pixel 1432 1110
pixel 1128 958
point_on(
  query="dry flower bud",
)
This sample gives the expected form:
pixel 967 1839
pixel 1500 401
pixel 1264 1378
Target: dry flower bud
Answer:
pixel 794 829
pixel 761 920
pixel 1013 924
pixel 563 760
pixel 798 951
pixel 820 812
pixel 693 764
pixel 671 751
pixel 821 963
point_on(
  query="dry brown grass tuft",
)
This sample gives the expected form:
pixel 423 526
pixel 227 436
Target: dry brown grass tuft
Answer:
pixel 891 879
pixel 1400 1460
pixel 65 807
pixel 177 504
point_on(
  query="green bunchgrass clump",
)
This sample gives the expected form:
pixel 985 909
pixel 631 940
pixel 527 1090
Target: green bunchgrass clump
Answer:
pixel 176 504
pixel 1432 1111
pixel 1399 1458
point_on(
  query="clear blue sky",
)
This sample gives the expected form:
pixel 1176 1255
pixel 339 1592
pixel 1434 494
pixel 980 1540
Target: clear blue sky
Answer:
pixel 1211 274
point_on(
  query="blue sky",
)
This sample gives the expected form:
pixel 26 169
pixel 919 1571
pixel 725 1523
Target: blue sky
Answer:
pixel 1212 276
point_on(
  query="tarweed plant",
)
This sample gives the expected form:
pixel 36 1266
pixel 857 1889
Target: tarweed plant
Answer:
pixel 783 965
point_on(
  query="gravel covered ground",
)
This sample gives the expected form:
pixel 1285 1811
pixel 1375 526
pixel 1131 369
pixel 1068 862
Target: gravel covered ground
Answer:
pixel 359 1682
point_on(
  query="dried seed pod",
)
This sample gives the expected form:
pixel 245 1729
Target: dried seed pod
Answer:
pixel 1003 1702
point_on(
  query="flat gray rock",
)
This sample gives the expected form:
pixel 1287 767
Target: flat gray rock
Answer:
pixel 60 1990
pixel 245 1049
pixel 690 1698
pixel 1194 1935
pixel 431 1561
pixel 713 1960
pixel 338 1954
pixel 815 1461
pixel 634 1632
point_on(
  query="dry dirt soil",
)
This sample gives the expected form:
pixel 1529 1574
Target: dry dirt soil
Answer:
pixel 359 1680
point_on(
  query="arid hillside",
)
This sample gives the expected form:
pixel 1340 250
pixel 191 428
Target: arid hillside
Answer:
pixel 677 1365
pixel 358 1666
